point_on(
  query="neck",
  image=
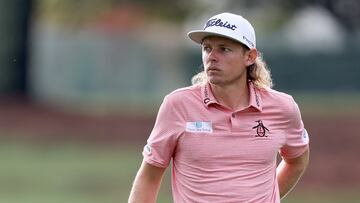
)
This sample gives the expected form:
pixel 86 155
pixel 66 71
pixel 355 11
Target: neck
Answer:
pixel 234 97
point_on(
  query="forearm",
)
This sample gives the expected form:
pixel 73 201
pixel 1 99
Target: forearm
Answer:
pixel 143 191
pixel 289 173
pixel 146 185
pixel 288 176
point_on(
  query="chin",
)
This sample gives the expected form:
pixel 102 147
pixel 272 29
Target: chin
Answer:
pixel 214 81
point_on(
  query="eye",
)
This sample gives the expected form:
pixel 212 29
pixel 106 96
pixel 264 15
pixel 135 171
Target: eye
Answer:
pixel 206 49
pixel 225 49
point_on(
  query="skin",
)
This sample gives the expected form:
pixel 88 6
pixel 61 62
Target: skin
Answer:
pixel 225 63
pixel 147 184
pixel 289 172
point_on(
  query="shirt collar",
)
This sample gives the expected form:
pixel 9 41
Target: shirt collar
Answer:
pixel 255 98
pixel 208 97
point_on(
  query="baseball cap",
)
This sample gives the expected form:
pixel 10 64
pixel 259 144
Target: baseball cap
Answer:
pixel 227 25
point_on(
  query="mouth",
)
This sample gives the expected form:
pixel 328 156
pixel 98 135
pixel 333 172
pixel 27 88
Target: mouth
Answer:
pixel 212 69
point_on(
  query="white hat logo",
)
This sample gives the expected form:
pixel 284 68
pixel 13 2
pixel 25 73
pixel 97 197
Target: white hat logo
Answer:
pixel 227 25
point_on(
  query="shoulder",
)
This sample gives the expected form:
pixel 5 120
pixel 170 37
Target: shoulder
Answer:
pixel 182 100
pixel 274 94
pixel 278 99
pixel 184 94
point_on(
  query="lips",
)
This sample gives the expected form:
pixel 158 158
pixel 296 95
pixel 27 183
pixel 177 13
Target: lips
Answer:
pixel 212 68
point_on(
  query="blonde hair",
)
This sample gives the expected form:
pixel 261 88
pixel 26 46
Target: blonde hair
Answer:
pixel 258 74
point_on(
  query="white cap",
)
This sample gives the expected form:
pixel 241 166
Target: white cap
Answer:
pixel 227 25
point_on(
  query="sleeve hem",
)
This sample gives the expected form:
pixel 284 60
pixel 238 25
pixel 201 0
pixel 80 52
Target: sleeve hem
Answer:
pixel 154 163
pixel 300 151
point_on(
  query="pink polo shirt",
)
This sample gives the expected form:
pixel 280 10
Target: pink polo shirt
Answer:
pixel 223 156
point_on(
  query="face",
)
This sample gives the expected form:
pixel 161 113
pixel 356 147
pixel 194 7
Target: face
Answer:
pixel 224 60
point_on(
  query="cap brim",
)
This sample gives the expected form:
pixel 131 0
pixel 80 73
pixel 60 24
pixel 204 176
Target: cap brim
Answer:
pixel 199 35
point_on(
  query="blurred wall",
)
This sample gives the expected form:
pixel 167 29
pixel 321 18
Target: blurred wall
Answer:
pixel 114 57
pixel 119 55
pixel 122 54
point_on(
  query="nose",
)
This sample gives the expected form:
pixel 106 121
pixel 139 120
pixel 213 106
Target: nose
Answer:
pixel 212 55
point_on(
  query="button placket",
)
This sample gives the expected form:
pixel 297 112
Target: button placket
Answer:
pixel 232 121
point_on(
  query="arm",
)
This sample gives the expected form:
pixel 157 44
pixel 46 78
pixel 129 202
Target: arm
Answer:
pixel 147 184
pixel 289 172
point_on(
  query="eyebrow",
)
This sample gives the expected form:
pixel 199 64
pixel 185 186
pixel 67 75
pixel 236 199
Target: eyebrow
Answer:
pixel 219 45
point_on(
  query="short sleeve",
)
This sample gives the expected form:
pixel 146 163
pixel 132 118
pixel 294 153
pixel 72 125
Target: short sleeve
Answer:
pixel 163 139
pixel 297 138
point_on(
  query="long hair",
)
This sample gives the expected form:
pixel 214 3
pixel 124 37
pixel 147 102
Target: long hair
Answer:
pixel 258 73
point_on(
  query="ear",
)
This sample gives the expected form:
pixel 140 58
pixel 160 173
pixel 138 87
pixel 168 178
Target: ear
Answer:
pixel 251 56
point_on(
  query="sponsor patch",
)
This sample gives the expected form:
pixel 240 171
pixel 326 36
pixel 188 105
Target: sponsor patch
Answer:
pixel 199 127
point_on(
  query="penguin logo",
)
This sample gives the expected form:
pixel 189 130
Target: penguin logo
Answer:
pixel 260 129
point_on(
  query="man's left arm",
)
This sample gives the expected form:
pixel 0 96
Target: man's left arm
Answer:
pixel 289 172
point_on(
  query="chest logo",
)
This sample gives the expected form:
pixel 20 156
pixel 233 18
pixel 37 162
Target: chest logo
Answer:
pixel 199 127
pixel 261 130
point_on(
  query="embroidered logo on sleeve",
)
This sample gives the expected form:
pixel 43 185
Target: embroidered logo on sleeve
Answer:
pixel 305 137
pixel 147 149
pixel 199 127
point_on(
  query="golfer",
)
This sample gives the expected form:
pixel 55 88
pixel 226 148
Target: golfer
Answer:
pixel 222 134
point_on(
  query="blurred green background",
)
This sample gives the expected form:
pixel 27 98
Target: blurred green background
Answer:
pixel 81 83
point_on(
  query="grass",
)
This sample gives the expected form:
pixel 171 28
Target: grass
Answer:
pixel 79 173
pixel 65 173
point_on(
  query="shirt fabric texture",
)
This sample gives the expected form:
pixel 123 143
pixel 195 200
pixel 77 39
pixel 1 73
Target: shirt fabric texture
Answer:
pixel 218 155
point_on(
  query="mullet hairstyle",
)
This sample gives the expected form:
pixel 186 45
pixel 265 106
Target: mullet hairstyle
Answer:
pixel 258 73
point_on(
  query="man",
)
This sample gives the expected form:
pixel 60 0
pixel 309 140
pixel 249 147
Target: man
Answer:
pixel 223 133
